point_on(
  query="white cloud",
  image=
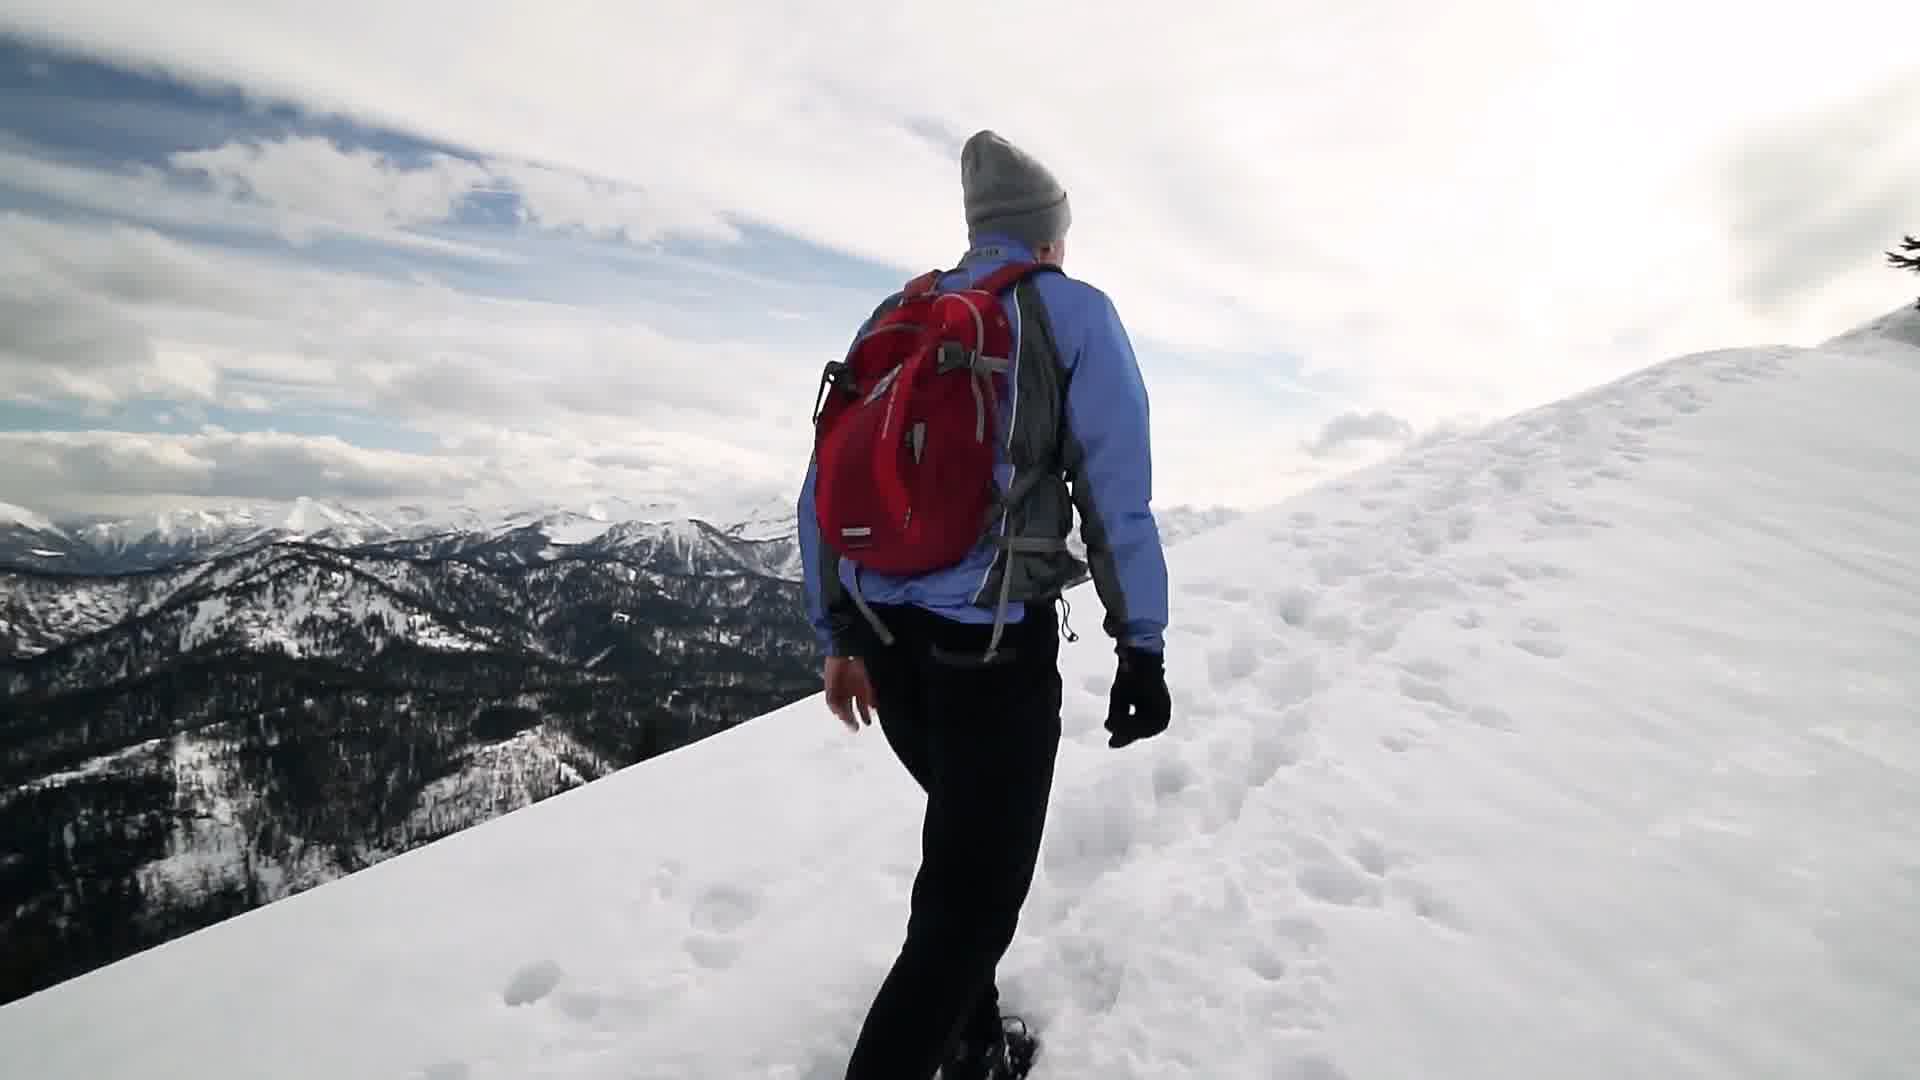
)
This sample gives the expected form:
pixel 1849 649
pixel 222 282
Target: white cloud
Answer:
pixel 543 397
pixel 560 199
pixel 1457 209
pixel 116 471
pixel 47 468
pixel 107 313
pixel 149 195
pixel 352 186
pixel 1496 188
pixel 316 183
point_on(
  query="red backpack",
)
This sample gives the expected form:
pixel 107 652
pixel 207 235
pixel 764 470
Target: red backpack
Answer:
pixel 904 435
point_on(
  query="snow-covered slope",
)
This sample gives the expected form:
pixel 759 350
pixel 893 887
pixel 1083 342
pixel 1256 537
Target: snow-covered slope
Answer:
pixel 1584 747
pixel 20 515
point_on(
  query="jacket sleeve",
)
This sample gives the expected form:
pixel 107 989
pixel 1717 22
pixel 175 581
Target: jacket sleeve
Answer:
pixel 1109 458
pixel 826 598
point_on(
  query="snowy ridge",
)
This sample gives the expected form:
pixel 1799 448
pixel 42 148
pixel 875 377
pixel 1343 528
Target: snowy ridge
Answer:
pixel 289 605
pixel 20 515
pixel 41 611
pixel 516 771
pixel 1581 747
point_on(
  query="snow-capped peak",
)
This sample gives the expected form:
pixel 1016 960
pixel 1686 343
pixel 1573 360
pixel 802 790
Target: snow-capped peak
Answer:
pixel 311 516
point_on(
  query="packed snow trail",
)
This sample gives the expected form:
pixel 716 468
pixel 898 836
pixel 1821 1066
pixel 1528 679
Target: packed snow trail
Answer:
pixel 1582 747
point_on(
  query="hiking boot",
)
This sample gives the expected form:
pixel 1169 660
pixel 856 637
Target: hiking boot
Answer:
pixel 1006 1055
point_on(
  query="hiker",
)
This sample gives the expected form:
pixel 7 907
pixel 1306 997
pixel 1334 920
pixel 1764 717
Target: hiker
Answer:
pixel 945 619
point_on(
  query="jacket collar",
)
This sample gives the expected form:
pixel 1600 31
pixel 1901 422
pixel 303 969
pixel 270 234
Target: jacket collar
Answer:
pixel 992 249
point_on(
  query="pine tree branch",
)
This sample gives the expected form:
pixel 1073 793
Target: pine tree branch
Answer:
pixel 1906 262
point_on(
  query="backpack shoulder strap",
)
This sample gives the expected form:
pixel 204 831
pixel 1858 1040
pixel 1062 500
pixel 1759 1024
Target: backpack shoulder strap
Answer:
pixel 923 284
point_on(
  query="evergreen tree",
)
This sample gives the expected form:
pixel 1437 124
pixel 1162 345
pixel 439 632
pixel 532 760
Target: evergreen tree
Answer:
pixel 1908 261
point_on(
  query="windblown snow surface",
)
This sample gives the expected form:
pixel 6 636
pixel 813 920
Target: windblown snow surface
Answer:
pixel 1586 746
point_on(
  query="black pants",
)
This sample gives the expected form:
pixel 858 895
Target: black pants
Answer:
pixel 981 740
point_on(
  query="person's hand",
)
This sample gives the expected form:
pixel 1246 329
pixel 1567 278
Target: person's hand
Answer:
pixel 1140 705
pixel 848 689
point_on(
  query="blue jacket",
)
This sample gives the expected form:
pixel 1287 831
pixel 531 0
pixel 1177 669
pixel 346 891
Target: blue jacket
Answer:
pixel 1106 418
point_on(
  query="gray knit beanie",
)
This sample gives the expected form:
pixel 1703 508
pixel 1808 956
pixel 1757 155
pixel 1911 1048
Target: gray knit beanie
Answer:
pixel 1008 192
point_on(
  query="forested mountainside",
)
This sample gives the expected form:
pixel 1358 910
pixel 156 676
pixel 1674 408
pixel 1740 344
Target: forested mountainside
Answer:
pixel 183 744
pixel 231 712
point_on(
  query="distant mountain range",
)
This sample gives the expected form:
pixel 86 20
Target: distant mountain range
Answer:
pixel 102 544
pixel 203 711
pixel 762 533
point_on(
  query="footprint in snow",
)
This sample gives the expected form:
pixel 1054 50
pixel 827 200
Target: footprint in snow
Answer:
pixel 1311 1067
pixel 1294 606
pixel 1332 627
pixel 1287 685
pixel 532 983
pixel 1489 716
pixel 1094 976
pixel 713 953
pixel 1383 639
pixel 1336 567
pixel 1265 961
pixel 720 912
pixel 666 878
pixel 1372 855
pixel 1273 749
pixel 1511 477
pixel 1427 692
pixel 1429 669
pixel 1288 1006
pixel 1426 902
pixel 1683 399
pixel 723 909
pixel 1534 571
pixel 1556 516
pixel 1541 638
pixel 1171 777
pixel 1092 830
pixel 1328 878
pixel 1460 526
pixel 1292 995
pixel 1233 663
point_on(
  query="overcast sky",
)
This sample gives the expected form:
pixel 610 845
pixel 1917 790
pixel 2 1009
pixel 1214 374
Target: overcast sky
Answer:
pixel 494 250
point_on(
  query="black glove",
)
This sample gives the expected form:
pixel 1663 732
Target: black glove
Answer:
pixel 1140 707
